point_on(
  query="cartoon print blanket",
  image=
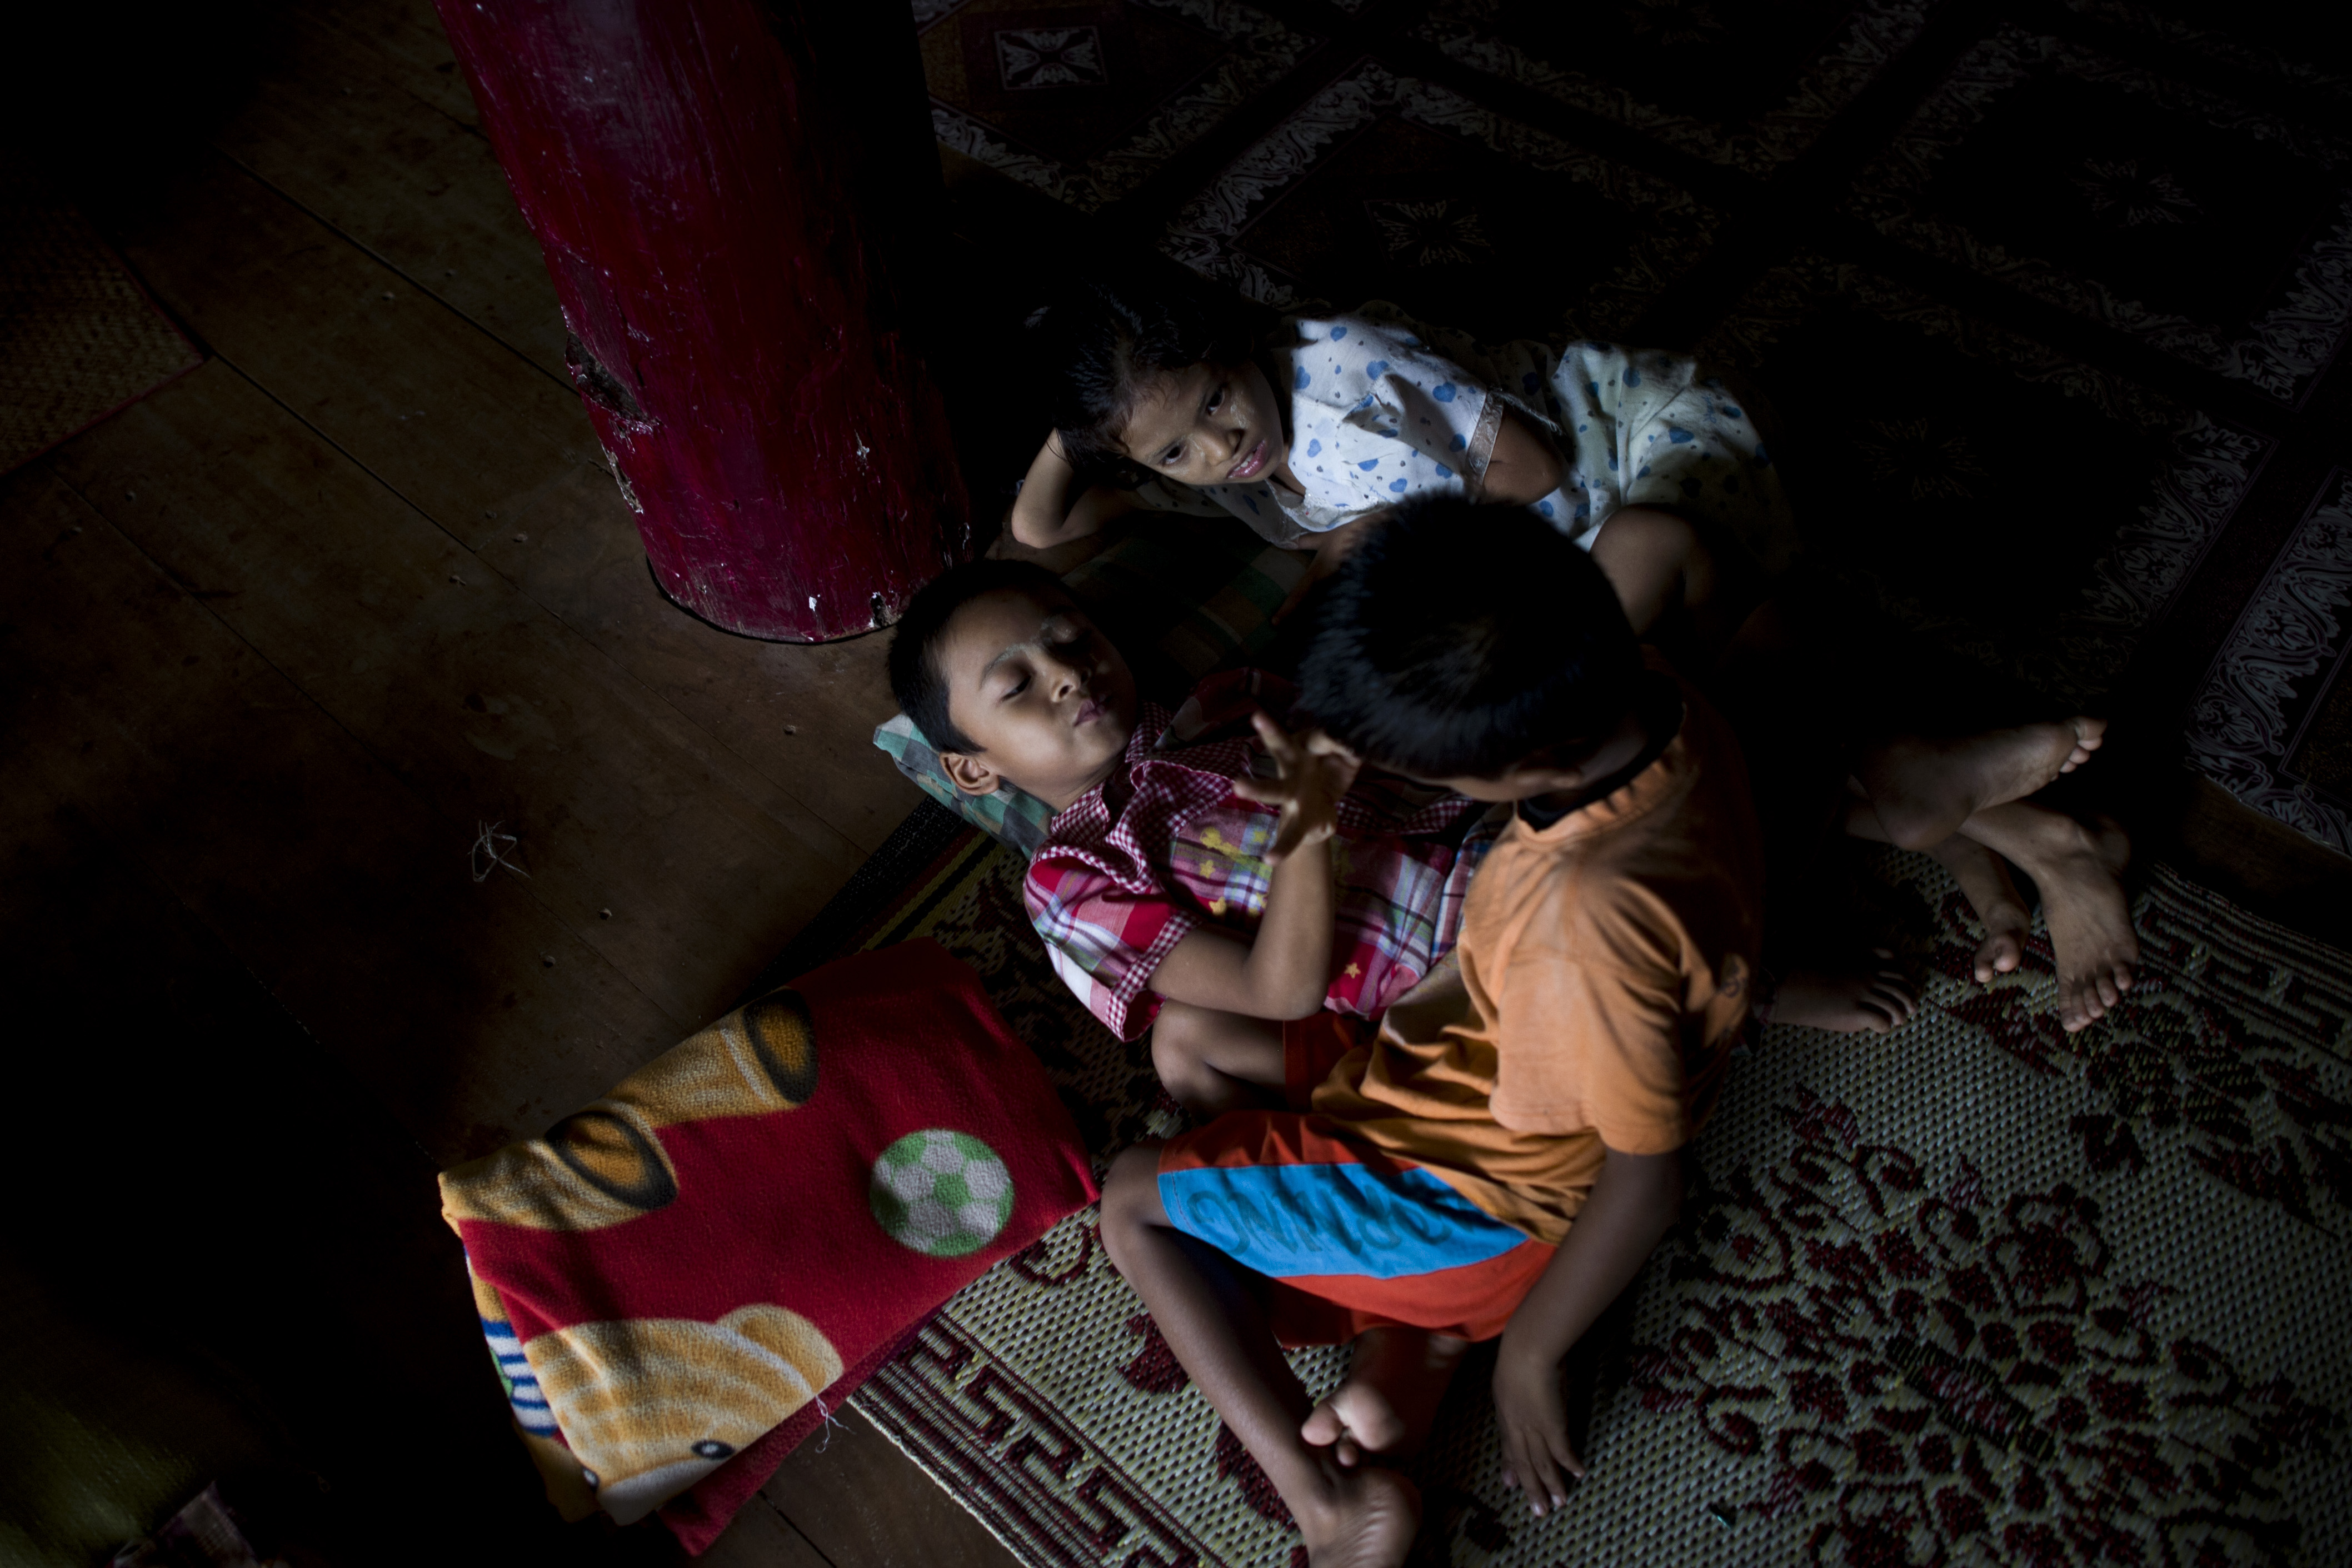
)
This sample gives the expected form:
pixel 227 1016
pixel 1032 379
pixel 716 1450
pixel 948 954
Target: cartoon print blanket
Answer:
pixel 675 1270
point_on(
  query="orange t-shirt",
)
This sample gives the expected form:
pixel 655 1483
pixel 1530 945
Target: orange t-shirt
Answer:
pixel 1602 978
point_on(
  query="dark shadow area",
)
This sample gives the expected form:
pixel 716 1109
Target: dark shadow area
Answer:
pixel 225 1275
pixel 112 101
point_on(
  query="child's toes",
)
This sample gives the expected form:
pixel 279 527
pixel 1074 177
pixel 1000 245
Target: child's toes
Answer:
pixel 1905 997
pixel 1322 1427
pixel 1997 955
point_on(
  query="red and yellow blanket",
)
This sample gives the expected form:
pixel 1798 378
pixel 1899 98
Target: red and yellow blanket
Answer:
pixel 675 1270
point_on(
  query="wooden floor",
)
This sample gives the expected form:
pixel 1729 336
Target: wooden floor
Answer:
pixel 276 644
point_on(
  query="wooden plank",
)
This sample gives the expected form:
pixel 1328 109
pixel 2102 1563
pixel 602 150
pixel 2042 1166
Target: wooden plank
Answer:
pixel 485 705
pixel 331 881
pixel 803 716
pixel 330 126
pixel 501 452
pixel 442 412
pixel 2254 860
pixel 760 1537
pixel 860 1500
pixel 406 36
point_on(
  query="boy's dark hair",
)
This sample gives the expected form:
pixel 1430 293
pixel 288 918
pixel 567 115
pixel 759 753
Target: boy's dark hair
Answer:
pixel 1102 341
pixel 916 679
pixel 1462 640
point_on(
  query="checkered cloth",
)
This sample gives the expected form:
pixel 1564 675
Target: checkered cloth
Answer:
pixel 1165 847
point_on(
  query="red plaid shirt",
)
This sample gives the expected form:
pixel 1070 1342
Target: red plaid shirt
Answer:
pixel 1164 846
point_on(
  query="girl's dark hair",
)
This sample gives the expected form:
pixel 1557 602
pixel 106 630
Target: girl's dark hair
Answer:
pixel 916 679
pixel 1099 345
pixel 1463 641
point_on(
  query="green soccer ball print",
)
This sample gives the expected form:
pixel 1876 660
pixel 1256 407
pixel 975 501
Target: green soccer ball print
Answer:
pixel 941 1194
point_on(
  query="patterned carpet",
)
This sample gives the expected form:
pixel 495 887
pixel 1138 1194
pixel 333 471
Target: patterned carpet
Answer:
pixel 2045 298
pixel 1978 1291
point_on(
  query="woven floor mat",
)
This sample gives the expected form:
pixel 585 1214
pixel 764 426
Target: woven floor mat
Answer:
pixel 1978 1291
pixel 78 339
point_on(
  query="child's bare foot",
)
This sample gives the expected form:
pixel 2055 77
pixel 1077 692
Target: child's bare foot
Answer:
pixel 1367 1519
pixel 1877 1000
pixel 1390 1397
pixel 1923 790
pixel 2075 866
pixel 1984 880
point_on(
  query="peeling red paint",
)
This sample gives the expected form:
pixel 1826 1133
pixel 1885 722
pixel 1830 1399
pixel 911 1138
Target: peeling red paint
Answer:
pixel 715 230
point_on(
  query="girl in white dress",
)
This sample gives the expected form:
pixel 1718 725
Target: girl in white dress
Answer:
pixel 1327 422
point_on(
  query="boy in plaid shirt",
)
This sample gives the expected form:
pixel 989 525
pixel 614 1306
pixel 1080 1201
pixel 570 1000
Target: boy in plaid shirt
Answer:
pixel 1184 886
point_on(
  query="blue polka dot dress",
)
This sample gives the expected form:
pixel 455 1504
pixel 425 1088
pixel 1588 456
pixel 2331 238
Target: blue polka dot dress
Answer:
pixel 1383 409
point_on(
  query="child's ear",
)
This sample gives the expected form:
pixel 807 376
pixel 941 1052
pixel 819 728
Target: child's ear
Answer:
pixel 969 774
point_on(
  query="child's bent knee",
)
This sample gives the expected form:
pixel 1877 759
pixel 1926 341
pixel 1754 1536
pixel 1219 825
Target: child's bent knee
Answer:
pixel 1652 529
pixel 1132 1213
pixel 1182 1038
pixel 1130 1190
pixel 1174 1039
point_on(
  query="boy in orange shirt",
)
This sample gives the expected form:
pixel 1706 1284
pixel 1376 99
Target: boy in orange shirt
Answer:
pixel 1502 1154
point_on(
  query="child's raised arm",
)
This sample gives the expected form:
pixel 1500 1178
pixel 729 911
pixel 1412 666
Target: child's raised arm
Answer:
pixel 1045 514
pixel 1285 970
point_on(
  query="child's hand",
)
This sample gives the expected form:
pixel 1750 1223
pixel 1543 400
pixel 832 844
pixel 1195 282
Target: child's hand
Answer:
pixel 1311 773
pixel 1537 1456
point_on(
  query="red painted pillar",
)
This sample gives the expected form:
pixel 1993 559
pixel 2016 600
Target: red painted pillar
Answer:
pixel 728 209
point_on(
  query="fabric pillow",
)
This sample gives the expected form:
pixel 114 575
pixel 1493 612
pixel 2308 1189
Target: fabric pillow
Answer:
pixel 1181 596
pixel 1010 815
pixel 675 1270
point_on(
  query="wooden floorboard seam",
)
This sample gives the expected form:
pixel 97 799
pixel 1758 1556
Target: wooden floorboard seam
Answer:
pixel 389 265
pixel 763 1500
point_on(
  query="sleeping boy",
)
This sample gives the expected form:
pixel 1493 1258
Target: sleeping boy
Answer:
pixel 1175 890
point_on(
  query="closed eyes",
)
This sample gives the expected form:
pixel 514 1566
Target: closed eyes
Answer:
pixel 1068 640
